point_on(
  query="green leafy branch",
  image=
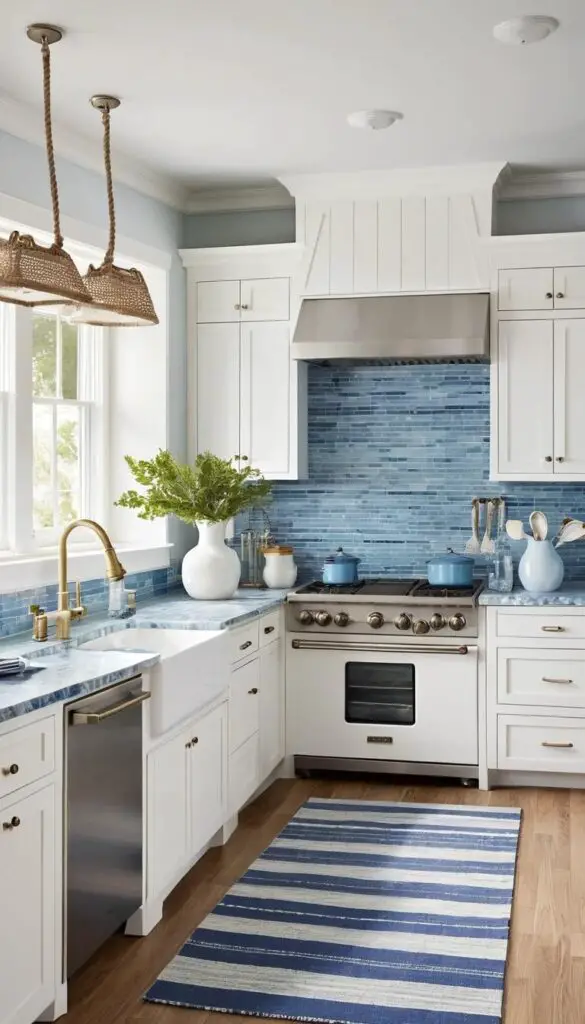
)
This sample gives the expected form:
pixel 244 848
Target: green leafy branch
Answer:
pixel 212 490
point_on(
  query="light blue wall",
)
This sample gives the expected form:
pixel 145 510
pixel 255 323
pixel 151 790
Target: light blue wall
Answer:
pixel 541 216
pixel 250 227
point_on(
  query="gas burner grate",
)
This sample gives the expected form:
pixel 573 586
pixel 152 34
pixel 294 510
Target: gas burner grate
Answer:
pixel 317 587
pixel 426 590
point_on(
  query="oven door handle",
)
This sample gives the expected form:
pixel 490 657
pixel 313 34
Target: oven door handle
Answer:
pixel 379 648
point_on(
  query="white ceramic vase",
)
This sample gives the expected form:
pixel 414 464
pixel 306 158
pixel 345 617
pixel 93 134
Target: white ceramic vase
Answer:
pixel 211 570
pixel 541 568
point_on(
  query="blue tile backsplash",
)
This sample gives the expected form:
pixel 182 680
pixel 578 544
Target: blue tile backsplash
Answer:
pixel 15 616
pixel 395 455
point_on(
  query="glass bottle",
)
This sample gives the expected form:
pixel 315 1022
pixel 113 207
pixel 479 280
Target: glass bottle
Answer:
pixel 501 568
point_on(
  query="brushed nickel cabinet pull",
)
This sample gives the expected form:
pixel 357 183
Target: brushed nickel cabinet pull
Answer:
pixel 247 644
pixel 551 679
pixel 553 629
pixel 560 458
pixel 549 743
pixel 253 691
pixel 188 745
pixel 195 740
pixel 12 769
pixel 560 295
pixel 237 305
pixel 548 295
pixel 9 825
pixel 269 629
pixel 548 458
pixel 244 305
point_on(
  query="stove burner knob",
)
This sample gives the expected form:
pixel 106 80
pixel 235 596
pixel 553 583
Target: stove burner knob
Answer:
pixel 420 626
pixel 457 622
pixel 322 618
pixel 403 621
pixel 375 620
pixel 437 621
pixel 306 618
pixel 341 619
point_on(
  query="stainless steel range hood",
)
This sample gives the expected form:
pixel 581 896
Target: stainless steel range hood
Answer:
pixel 394 328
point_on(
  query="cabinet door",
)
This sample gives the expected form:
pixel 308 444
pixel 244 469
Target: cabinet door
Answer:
pixel 525 397
pixel 207 778
pixel 271 709
pixel 168 849
pixel 218 389
pixel 244 709
pixel 265 397
pixel 530 288
pixel 569 288
pixel 27 898
pixel 569 420
pixel 265 298
pixel 218 301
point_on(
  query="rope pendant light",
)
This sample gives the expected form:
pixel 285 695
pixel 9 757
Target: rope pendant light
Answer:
pixel 119 297
pixel 32 274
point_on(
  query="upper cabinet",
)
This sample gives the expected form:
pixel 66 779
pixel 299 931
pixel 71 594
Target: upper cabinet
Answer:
pixel 247 398
pixel 536 288
pixel 538 365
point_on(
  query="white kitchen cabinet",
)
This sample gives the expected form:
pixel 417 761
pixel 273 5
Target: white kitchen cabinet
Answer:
pixel 271 708
pixel 218 389
pixel 186 798
pixel 167 819
pixel 27 898
pixel 218 302
pixel 526 288
pixel 569 287
pixel 569 404
pixel 524 363
pixel 265 396
pixel 244 703
pixel 207 784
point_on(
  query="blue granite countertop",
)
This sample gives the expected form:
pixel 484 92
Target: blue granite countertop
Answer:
pixel 569 595
pixel 68 673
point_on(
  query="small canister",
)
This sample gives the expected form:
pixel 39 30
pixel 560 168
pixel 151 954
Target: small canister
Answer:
pixel 280 570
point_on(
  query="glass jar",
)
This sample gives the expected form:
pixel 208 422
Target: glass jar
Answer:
pixel 280 570
pixel 501 565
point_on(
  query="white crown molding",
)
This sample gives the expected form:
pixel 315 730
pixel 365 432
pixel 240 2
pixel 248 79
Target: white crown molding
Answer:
pixel 541 185
pixel 26 122
pixel 226 200
pixel 285 254
pixel 465 178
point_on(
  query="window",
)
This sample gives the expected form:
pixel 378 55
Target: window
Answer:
pixel 52 399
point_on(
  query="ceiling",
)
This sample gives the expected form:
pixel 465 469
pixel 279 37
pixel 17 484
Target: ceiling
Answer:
pixel 236 92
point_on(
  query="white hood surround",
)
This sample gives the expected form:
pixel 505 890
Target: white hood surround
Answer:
pixel 395 232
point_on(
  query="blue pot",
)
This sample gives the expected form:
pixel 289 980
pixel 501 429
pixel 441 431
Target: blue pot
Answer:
pixel 340 569
pixel 450 570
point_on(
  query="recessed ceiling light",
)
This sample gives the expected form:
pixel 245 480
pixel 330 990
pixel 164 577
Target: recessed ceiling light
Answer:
pixel 530 28
pixel 374 119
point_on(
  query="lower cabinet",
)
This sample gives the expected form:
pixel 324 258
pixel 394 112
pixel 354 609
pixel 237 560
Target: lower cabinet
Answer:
pixel 27 899
pixel 271 708
pixel 187 798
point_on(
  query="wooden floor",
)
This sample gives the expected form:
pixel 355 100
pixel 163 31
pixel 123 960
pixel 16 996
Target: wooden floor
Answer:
pixel 545 982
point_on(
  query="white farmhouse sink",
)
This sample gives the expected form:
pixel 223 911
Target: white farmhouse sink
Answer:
pixel 193 670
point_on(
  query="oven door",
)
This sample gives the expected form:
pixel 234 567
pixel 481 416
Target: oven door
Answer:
pixel 382 700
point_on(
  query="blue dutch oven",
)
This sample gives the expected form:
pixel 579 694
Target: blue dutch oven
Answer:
pixel 450 570
pixel 340 569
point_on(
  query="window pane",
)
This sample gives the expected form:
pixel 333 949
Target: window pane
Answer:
pixel 44 355
pixel 68 360
pixel 68 463
pixel 42 467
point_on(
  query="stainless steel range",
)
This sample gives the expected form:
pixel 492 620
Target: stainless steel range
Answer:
pixel 382 675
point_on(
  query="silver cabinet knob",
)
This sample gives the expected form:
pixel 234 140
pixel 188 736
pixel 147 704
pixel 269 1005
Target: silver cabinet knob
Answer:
pixel 437 621
pixel 560 295
pixel 549 295
pixel 457 622
pixel 244 305
pixel 306 617
pixel 560 458
pixel 548 458
pixel 341 619
pixel 420 627
pixel 322 618
pixel 403 621
pixel 375 620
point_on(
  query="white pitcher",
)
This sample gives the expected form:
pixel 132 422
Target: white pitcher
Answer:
pixel 541 568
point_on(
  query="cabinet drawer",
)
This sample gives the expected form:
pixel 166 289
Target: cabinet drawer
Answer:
pixel 543 677
pixel 547 626
pixel 269 628
pixel 244 706
pixel 218 301
pixel 526 288
pixel 243 774
pixel 531 743
pixel 27 754
pixel 244 641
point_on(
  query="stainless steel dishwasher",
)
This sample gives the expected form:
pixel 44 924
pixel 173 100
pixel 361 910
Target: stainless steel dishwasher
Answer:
pixel 103 820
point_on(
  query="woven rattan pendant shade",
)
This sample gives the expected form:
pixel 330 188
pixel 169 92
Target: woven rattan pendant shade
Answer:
pixel 33 274
pixel 119 297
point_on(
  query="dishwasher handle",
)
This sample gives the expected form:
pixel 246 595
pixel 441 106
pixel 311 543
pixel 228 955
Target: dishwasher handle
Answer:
pixel 95 717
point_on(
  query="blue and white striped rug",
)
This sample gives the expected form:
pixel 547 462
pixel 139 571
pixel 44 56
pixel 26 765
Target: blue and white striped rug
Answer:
pixel 361 913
